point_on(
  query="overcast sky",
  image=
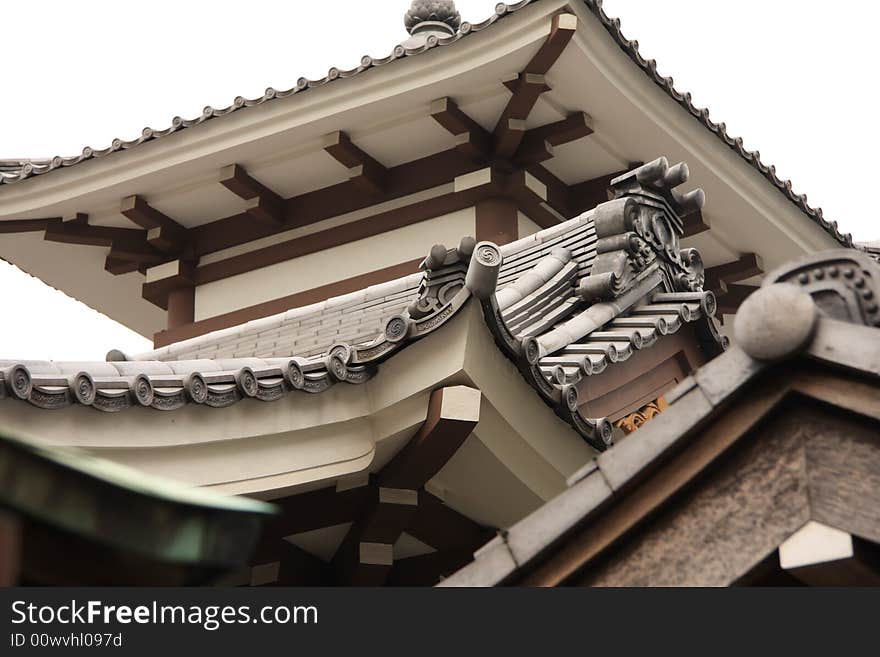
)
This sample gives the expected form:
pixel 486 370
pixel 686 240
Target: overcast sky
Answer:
pixel 797 80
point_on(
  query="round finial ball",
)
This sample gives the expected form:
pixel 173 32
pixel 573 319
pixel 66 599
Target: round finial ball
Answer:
pixel 775 322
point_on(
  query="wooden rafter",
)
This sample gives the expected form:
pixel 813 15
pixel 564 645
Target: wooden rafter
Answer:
pixel 695 223
pixel 363 170
pixel 299 568
pixel 129 249
pixel 341 198
pixel 588 194
pixel 746 266
pixel 392 502
pixel 562 29
pixel 537 143
pixel 264 205
pixel 163 233
pixel 452 415
pixel 472 139
pixel 511 126
pixel 529 85
pixel 731 297
pixel 366 554
pixel 28 225
pixel 443 528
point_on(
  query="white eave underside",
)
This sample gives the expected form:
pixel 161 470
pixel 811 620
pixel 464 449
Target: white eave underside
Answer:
pixel 386 112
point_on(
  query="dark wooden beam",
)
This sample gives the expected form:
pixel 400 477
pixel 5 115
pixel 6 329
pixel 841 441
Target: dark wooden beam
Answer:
pixel 366 554
pixel 342 198
pixel 264 205
pixel 532 195
pixel 562 29
pixel 537 143
pixel 363 170
pixel 511 126
pixel 453 413
pixel 88 235
pixel 694 224
pixel 730 297
pixel 163 232
pixel 265 211
pixel 428 569
pixel 588 194
pixel 28 225
pixel 276 306
pixel 173 291
pixel 558 193
pixel 472 139
pixel 444 528
pixel 746 266
pixel 238 181
pixel 299 568
pixel 529 85
pixel 497 220
pixel 129 249
pixel 360 229
pixel 117 266
pixel 306 512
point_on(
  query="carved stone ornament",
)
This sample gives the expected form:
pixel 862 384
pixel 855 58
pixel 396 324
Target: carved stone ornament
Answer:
pixel 642 228
pixel 572 314
pixel 434 15
pixel 844 284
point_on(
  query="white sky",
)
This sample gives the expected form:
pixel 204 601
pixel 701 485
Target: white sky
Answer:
pixel 797 80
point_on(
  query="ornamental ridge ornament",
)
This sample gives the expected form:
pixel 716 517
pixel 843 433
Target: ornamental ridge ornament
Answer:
pixel 573 314
pixel 439 16
pixel 642 227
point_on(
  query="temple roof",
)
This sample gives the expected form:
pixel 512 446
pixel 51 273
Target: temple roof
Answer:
pixel 117 510
pixel 817 312
pixel 564 303
pixel 14 170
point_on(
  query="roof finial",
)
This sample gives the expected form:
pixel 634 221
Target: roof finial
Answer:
pixel 432 16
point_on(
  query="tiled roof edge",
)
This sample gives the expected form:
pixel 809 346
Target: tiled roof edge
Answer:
pixel 649 66
pixel 15 170
pixel 12 170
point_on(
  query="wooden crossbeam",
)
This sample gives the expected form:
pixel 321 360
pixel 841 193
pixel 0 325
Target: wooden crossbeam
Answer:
pixel 117 266
pixel 471 138
pixel 695 223
pixel 453 413
pixel 129 248
pixel 88 235
pixel 307 512
pixel 443 528
pixel 170 277
pixel 428 569
pixel 366 554
pixel 238 181
pixel 363 170
pixel 299 568
pixel 511 126
pixel 393 502
pixel 731 297
pixel 588 194
pixel 163 233
pixel 746 266
pixel 562 29
pixel 28 225
pixel 529 85
pixel 537 143
pixel 264 205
